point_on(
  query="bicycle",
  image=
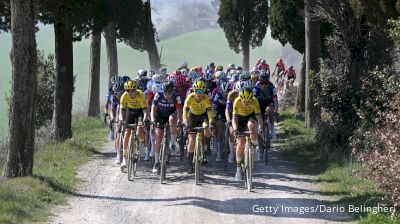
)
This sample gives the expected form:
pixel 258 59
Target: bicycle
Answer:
pixel 133 154
pixel 165 151
pixel 181 138
pixel 198 153
pixel 248 165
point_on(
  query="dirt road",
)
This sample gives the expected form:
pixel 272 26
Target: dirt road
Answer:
pixel 281 195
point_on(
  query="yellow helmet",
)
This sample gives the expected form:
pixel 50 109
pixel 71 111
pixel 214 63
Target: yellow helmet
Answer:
pixel 246 94
pixel 130 85
pixel 199 85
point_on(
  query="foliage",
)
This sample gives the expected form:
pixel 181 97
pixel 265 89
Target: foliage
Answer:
pixel 27 200
pixel 376 141
pixel 5 16
pixel 394 30
pixel 45 89
pixel 244 22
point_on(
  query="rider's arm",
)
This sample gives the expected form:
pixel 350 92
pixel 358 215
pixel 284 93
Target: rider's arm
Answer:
pixel 235 123
pixel 178 107
pixel 275 99
pixel 153 113
pixel 122 106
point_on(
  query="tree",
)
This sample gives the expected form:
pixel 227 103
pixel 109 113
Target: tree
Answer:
pixel 94 85
pixel 5 17
pixel 72 19
pixel 110 35
pixel 312 56
pixel 245 24
pixel 24 87
pixel 144 37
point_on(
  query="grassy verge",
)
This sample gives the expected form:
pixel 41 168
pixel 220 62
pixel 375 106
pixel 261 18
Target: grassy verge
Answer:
pixel 342 181
pixel 29 199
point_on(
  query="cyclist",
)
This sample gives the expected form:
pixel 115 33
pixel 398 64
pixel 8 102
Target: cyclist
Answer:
pixel 132 106
pixel 163 72
pixel 219 68
pixel 167 107
pixel 184 65
pixel 264 66
pixel 118 90
pixel 245 109
pixel 142 79
pixel 280 66
pixel 266 95
pixel 290 76
pixel 229 67
pixel 108 112
pixel 197 112
pixel 219 105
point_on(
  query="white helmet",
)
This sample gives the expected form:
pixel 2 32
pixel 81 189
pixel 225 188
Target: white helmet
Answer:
pixel 163 70
pixel 219 74
pixel 184 64
pixel 209 75
pixel 224 87
pixel 231 66
pixel 158 78
pixel 184 72
pixel 142 72
pixel 157 87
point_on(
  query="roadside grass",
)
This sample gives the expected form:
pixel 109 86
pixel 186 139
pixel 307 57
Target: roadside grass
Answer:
pixel 29 199
pixel 342 181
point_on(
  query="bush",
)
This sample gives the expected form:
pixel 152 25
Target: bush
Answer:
pixel 45 89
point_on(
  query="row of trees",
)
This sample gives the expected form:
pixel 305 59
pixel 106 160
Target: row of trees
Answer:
pixel 125 20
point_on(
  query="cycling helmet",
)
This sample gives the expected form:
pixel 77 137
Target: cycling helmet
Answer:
pixel 246 94
pixel 130 85
pixel 125 79
pixel 235 77
pixel 184 72
pixel 264 76
pixel 246 84
pixel 231 66
pixel 209 75
pixel 114 79
pixel 149 84
pixel 168 87
pixel 239 68
pixel 221 80
pixel 157 88
pixel 219 74
pixel 172 78
pixel 211 65
pixel 116 87
pixel 184 64
pixel 219 68
pixel 291 67
pixel 224 87
pixel 163 70
pixel 150 74
pixel 264 62
pixel 199 85
pixel 157 78
pixel 193 75
pixel 180 80
pixel 279 61
pixel 142 72
pixel 244 76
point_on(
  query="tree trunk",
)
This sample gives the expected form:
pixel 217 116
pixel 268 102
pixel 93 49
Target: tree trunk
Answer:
pixel 94 81
pixel 64 81
pixel 150 45
pixel 112 54
pixel 246 56
pixel 313 54
pixel 24 87
pixel 300 101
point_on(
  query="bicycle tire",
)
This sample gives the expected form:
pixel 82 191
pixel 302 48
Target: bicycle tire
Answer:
pixel 135 153
pixel 267 141
pixel 249 167
pixel 163 161
pixel 130 161
pixel 225 147
pixel 197 159
pixel 121 145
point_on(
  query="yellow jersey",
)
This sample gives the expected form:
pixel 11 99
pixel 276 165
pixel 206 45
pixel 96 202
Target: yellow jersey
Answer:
pixel 240 110
pixel 197 107
pixel 138 102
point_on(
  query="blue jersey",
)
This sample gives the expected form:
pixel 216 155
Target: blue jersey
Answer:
pixel 265 97
pixel 166 107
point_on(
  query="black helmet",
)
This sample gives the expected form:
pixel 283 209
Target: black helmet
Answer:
pixel 264 76
pixel 168 87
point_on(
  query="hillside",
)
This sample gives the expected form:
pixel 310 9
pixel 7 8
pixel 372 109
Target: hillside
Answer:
pixel 198 48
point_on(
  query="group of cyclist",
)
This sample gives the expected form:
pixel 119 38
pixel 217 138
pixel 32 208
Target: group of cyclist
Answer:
pixel 212 98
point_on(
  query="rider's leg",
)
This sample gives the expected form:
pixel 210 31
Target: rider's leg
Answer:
pixel 157 145
pixel 240 141
pixel 173 130
pixel 231 145
pixel 252 126
pixel 219 136
pixel 271 121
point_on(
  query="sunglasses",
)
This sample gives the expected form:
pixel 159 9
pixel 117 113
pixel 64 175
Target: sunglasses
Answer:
pixel 263 83
pixel 131 90
pixel 199 91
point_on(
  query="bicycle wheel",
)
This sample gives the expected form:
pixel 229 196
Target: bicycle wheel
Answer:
pixel 164 155
pixel 249 167
pixel 267 141
pixel 130 161
pixel 121 143
pixel 197 159
pixel 225 147
pixel 135 154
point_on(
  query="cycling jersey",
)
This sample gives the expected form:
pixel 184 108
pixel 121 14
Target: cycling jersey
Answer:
pixel 181 91
pixel 195 107
pixel 142 84
pixel 114 100
pixel 280 68
pixel 220 107
pixel 265 98
pixel 166 107
pixel 133 103
pixel 291 74
pixel 240 110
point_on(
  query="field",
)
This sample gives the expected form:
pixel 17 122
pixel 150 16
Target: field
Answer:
pixel 198 48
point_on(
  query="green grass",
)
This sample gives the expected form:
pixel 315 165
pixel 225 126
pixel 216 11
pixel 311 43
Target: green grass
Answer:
pixel 198 48
pixel 342 181
pixel 54 175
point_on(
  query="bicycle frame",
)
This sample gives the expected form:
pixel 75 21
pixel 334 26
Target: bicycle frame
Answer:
pixel 198 153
